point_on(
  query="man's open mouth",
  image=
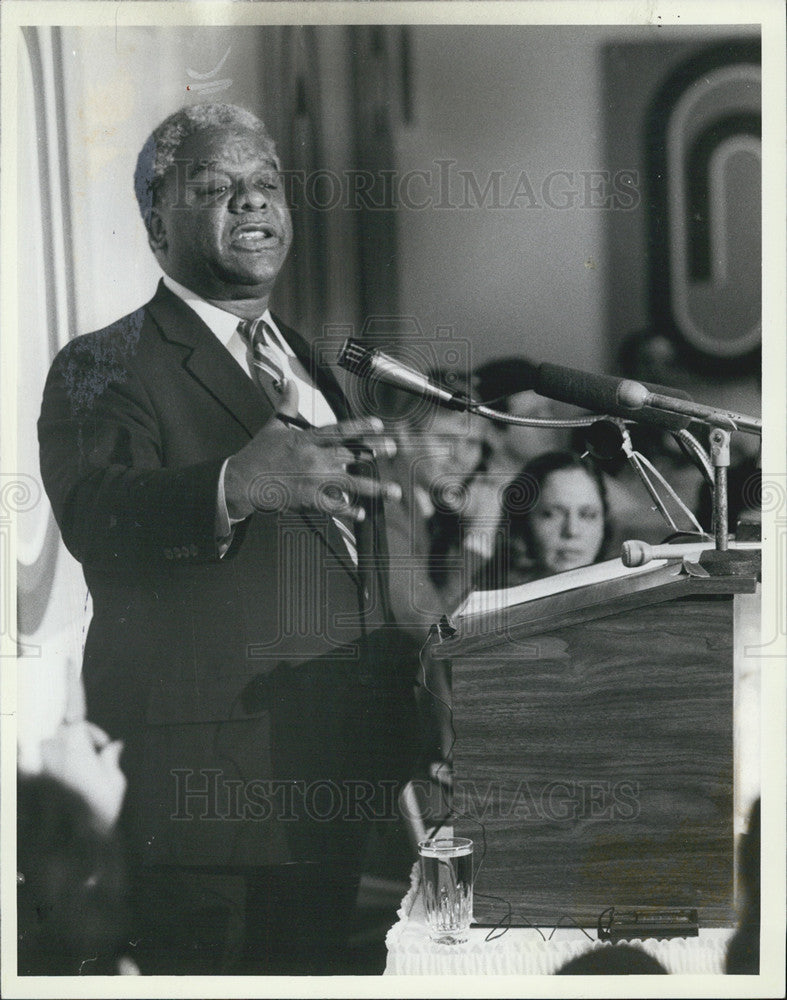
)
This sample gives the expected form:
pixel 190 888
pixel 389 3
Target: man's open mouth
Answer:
pixel 254 236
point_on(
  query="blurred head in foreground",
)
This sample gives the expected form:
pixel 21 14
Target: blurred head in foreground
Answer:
pixel 613 960
pixel 71 884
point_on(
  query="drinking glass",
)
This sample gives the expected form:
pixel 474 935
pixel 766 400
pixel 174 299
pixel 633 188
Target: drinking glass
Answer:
pixel 447 880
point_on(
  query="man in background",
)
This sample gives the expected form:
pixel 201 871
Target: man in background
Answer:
pixel 204 469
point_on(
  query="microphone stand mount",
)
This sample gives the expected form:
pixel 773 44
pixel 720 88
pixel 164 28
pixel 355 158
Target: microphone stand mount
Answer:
pixel 721 560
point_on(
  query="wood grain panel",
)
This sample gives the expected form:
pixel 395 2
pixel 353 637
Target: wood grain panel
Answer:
pixel 601 765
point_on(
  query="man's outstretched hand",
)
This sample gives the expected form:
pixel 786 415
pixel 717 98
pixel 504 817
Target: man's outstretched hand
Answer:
pixel 289 468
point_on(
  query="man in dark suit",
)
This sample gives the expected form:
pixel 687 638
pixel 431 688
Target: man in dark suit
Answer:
pixel 228 516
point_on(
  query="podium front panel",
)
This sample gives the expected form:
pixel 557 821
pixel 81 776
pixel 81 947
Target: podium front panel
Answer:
pixel 596 762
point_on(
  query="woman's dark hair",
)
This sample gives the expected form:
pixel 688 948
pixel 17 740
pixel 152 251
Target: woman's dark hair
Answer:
pixel 520 497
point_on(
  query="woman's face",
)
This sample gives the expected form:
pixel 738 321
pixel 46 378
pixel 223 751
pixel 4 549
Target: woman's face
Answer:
pixel 567 523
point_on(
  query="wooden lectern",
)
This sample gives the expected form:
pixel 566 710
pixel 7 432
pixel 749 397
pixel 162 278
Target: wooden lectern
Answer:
pixel 594 753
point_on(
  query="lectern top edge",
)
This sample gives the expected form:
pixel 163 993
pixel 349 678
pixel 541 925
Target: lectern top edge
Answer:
pixel 624 593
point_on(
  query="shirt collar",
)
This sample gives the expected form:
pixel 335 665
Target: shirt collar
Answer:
pixel 220 322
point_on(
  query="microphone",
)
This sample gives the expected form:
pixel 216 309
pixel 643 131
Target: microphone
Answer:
pixel 374 364
pixel 602 394
pixel 635 553
pixel 636 395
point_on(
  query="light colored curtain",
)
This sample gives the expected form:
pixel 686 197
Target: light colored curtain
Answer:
pixel 52 600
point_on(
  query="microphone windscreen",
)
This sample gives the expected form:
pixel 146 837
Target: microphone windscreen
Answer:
pixel 635 553
pixel 503 377
pixel 599 393
pixel 594 392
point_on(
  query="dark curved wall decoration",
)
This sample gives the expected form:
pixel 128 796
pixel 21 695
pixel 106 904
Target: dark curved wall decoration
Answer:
pixel 684 117
pixel 704 172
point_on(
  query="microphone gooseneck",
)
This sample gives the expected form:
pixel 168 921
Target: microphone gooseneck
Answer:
pixel 376 365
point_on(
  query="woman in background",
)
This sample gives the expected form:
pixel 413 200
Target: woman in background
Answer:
pixel 555 518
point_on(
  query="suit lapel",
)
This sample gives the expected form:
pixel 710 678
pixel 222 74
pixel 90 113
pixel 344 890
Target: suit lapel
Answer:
pixel 209 362
pixel 370 534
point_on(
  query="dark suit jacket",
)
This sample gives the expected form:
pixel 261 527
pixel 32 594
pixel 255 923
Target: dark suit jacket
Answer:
pixel 204 665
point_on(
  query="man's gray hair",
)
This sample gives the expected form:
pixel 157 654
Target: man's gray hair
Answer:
pixel 160 151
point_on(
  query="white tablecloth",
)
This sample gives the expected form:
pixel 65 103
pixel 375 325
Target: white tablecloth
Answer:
pixel 522 951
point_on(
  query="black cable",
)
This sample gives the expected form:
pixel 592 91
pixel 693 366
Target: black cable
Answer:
pixel 491 936
pixel 537 929
pixel 567 916
pixel 451 811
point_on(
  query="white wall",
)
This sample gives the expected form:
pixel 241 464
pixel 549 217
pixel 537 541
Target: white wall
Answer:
pixel 120 84
pixel 527 280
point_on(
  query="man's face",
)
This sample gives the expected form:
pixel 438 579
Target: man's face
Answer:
pixel 449 448
pixel 221 225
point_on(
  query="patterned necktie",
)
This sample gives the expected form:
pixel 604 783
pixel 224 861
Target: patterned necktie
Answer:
pixel 268 372
pixel 266 360
pixel 344 526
